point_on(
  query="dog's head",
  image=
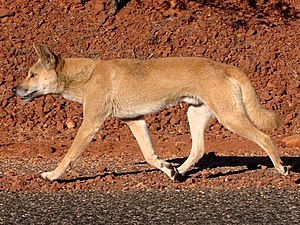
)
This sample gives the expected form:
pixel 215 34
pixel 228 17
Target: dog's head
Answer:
pixel 42 77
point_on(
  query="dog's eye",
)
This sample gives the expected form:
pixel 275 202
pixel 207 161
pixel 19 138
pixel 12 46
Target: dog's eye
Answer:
pixel 32 75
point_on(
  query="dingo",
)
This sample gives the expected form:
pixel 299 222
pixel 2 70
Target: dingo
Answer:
pixel 128 89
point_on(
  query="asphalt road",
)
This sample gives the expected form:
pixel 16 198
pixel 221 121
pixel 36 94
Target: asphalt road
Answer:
pixel 158 207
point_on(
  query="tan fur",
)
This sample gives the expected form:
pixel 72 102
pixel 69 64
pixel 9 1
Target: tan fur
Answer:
pixel 261 117
pixel 129 89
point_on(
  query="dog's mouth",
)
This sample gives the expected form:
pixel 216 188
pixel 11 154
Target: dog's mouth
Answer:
pixel 29 96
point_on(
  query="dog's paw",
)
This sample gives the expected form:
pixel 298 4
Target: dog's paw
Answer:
pixel 172 171
pixel 286 170
pixel 175 174
pixel 49 176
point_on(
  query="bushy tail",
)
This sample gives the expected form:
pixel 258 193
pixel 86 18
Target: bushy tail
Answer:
pixel 262 118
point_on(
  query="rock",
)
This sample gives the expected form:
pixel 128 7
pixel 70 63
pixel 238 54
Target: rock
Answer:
pixel 297 6
pixel 174 120
pixel 78 185
pixel 266 95
pixel 4 13
pixel 251 32
pixel 264 168
pixel 292 141
pixel 9 78
pixel 70 123
pixel 101 169
pixel 270 85
pixel 74 173
pixel 54 186
pixel 99 7
pixel 60 126
pixel 190 181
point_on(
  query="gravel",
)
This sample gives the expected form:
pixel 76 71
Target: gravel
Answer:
pixel 246 206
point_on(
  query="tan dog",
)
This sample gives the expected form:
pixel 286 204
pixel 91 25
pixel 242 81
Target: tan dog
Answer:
pixel 128 89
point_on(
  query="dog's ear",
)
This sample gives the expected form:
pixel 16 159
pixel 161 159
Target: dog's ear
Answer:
pixel 48 58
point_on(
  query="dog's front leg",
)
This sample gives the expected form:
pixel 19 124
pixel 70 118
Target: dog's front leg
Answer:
pixel 86 132
pixel 139 129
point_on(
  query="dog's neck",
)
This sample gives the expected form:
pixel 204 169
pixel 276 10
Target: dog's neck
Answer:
pixel 72 74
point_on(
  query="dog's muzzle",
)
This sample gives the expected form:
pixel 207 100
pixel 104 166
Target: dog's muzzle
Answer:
pixel 23 93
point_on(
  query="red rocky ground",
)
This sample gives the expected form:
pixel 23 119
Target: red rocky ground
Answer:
pixel 262 37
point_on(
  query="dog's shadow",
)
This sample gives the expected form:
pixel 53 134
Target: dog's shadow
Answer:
pixel 247 163
pixel 209 161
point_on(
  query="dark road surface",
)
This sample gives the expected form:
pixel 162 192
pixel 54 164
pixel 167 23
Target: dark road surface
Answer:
pixel 157 207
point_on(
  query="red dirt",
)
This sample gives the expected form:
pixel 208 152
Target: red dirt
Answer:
pixel 262 38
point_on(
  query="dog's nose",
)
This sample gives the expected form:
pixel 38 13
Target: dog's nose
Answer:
pixel 14 90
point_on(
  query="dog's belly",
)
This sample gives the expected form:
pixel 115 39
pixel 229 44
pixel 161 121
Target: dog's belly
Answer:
pixel 129 111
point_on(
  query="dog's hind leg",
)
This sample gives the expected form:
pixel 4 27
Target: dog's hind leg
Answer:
pixel 239 123
pixel 198 117
pixel 139 129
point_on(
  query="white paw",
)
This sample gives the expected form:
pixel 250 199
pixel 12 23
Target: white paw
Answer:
pixel 286 170
pixel 49 176
pixel 172 171
pixel 175 174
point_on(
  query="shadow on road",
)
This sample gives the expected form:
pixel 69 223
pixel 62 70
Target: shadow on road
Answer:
pixel 115 174
pixel 209 160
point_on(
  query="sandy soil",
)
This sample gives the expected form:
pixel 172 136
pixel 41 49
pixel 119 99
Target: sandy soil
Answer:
pixel 262 37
